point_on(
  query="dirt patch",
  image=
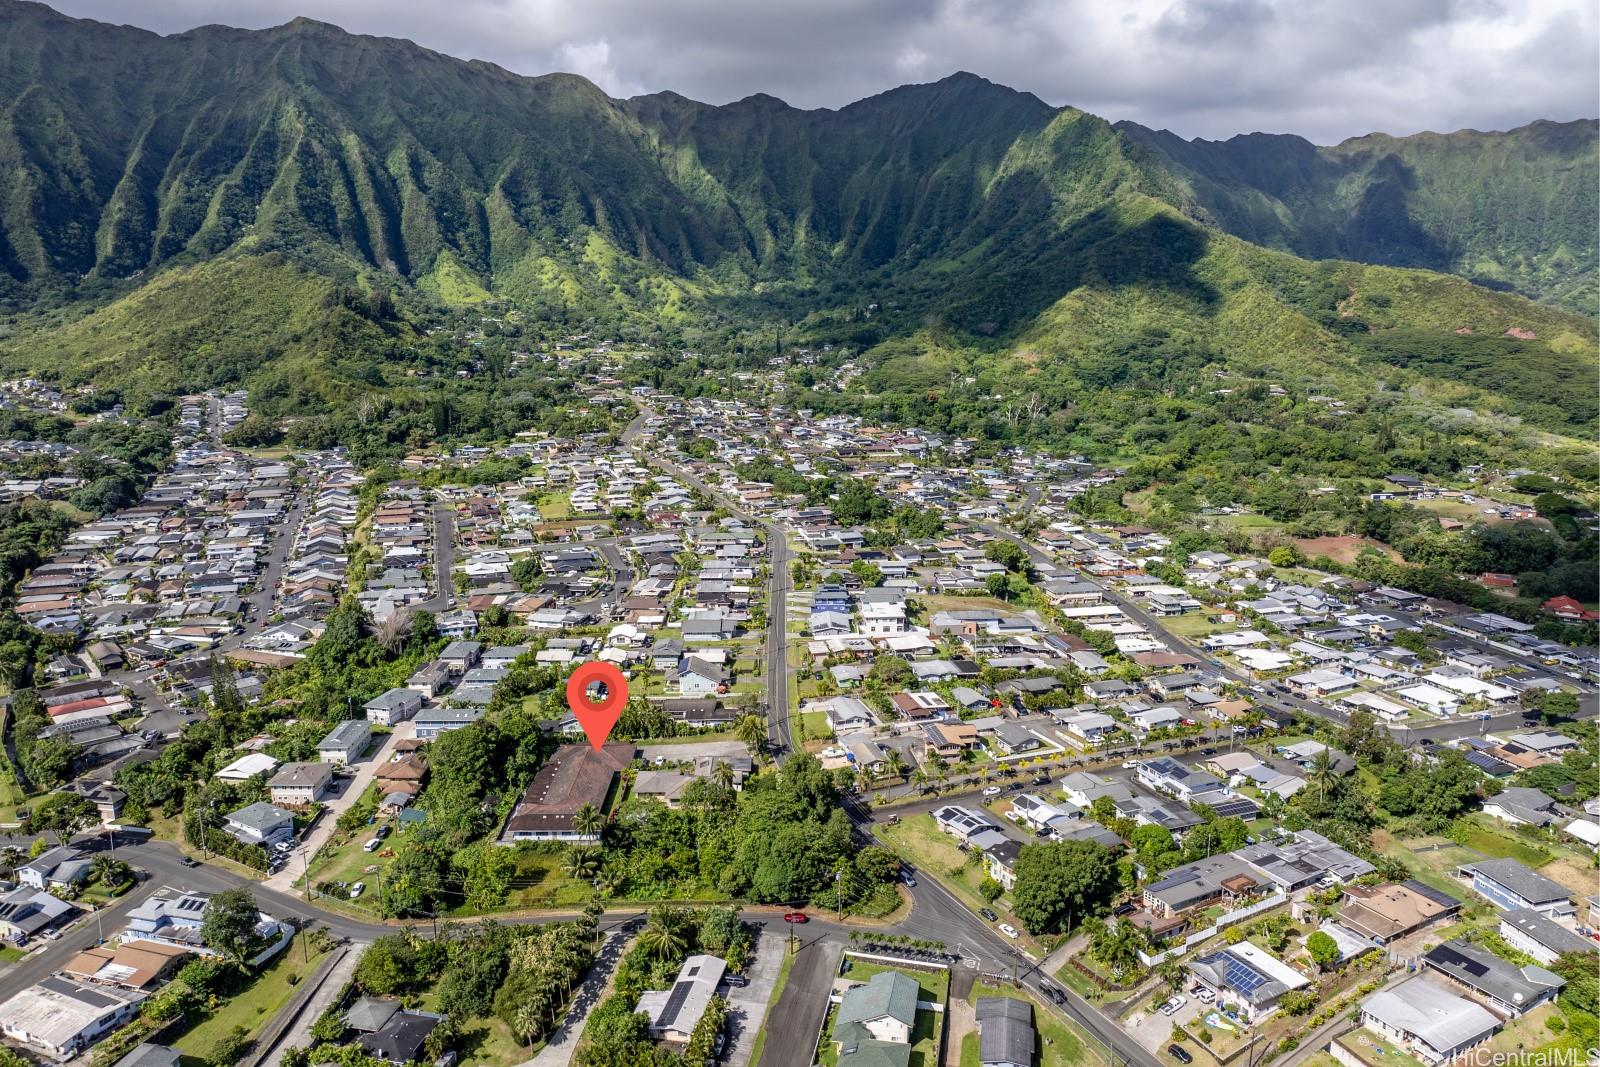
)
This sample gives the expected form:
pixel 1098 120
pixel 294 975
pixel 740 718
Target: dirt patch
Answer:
pixel 1578 878
pixel 1521 334
pixel 1342 549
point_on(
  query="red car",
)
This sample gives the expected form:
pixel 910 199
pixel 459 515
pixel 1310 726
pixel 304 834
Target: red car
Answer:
pixel 796 917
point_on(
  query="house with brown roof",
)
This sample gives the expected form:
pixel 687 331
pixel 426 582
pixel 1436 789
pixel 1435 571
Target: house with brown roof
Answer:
pixel 576 776
pixel 402 774
pixel 131 965
pixel 1386 912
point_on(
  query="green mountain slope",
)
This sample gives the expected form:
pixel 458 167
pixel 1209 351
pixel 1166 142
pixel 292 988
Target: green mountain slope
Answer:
pixel 209 207
pixel 1516 210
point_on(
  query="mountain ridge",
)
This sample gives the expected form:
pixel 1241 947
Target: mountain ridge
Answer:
pixel 982 213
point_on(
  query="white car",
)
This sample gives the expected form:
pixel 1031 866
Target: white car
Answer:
pixel 1129 764
pixel 357 889
pixel 992 791
pixel 1009 930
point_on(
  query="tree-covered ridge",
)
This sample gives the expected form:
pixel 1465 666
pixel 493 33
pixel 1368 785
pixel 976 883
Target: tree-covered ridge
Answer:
pixel 1515 210
pixel 126 151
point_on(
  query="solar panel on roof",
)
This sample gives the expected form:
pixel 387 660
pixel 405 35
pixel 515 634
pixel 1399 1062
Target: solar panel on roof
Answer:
pixel 1486 762
pixel 680 993
pixel 1239 806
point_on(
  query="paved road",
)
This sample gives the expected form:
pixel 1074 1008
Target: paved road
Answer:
pixel 795 1020
pixel 305 852
pixel 779 583
pixel 777 644
pixel 444 558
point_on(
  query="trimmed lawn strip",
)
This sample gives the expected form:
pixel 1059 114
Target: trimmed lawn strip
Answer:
pixel 254 1006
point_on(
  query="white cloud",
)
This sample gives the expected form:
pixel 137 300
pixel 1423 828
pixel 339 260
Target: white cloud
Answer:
pixel 1327 69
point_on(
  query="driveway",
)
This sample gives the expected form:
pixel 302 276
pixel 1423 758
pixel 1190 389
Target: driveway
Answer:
pixel 1153 1030
pixel 747 1006
pixel 300 858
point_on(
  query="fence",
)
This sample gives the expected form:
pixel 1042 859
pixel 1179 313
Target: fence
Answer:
pixel 1222 922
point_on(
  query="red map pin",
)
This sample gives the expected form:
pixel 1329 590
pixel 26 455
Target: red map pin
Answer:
pixel 597 717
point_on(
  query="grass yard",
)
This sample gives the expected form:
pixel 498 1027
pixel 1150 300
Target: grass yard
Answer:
pixel 1195 624
pixel 931 985
pixel 489 1041
pixel 541 884
pixel 814 725
pixel 254 1006
pixel 1501 846
pixel 554 507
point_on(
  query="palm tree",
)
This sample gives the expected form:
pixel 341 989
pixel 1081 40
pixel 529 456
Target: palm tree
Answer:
pixel 107 869
pixel 582 864
pixel 589 821
pixel 752 730
pixel 894 764
pixel 662 937
pixel 525 1023
pixel 722 774
pixel 1322 772
pixel 11 858
pixel 1116 946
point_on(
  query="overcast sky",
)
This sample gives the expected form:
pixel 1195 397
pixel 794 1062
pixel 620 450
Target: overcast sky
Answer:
pixel 1327 69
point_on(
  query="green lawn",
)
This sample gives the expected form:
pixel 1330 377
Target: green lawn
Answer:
pixel 1501 846
pixel 969 1049
pixel 931 985
pixel 489 1041
pixel 254 1006
pixel 814 725
pixel 1195 625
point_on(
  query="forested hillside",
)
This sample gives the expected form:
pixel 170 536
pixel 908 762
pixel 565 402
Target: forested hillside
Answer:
pixel 284 208
pixel 1513 210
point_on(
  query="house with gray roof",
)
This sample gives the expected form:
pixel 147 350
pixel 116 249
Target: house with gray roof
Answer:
pixel 1544 939
pixel 675 1012
pixel 261 824
pixel 1005 1032
pixel 345 743
pixel 1521 806
pixel 875 1021
pixel 1509 885
pixel 1428 1020
pixel 55 868
pixel 1509 990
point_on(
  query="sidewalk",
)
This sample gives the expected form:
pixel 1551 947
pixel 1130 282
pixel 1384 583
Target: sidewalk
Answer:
pixel 284 881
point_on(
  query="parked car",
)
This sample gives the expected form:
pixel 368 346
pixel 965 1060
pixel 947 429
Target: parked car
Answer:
pixel 1129 764
pixel 372 844
pixel 1179 1053
pixel 992 791
pixel 189 861
pixel 357 889
pixel 738 981
pixel 382 832
pixel 988 914
pixel 1009 930
pixel 796 917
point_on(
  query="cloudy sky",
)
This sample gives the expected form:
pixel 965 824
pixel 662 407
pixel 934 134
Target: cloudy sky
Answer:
pixel 1327 69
